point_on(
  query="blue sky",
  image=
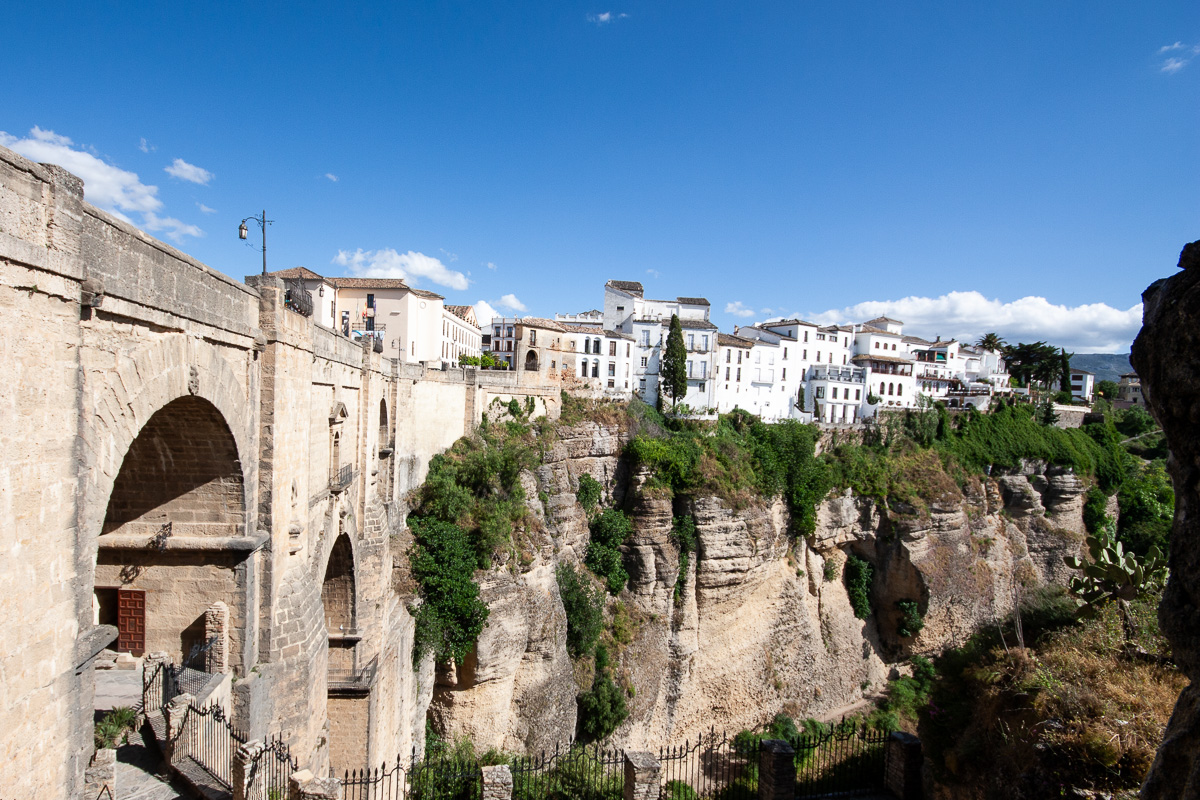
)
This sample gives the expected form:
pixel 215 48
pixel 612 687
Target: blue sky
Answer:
pixel 1023 167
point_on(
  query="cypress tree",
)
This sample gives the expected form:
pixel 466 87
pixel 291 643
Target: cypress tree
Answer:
pixel 672 374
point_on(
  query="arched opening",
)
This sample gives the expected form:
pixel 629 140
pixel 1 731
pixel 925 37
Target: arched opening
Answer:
pixel 348 685
pixel 531 361
pixel 383 424
pixel 899 389
pixel 166 575
pixel 595 369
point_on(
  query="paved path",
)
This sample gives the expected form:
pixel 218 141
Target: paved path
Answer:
pixel 138 769
pixel 118 687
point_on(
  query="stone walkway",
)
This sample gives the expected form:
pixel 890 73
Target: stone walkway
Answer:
pixel 118 687
pixel 139 766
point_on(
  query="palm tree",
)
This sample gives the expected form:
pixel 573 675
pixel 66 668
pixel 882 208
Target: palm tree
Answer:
pixel 991 341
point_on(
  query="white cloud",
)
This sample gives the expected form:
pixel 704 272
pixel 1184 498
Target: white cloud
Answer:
pixel 485 313
pixel 205 209
pixel 1186 53
pixel 104 185
pixel 172 228
pixel 144 146
pixel 331 177
pixel 491 266
pixel 605 17
pixel 451 257
pixel 188 172
pixel 739 309
pixel 1089 328
pixel 653 272
pixel 510 301
pixel 388 263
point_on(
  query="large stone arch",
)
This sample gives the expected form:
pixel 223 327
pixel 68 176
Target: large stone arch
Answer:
pixel 119 402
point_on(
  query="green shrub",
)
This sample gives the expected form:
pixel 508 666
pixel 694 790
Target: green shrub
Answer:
pixel 832 570
pixel 451 614
pixel 584 605
pixel 589 493
pixel 602 708
pixel 1095 505
pixel 859 574
pixel 114 727
pixel 1147 502
pixel 608 531
pixel 679 790
pixel 911 621
pixel 683 534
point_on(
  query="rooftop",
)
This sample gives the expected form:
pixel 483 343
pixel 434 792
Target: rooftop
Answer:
pixel 883 321
pixel 729 340
pixel 541 322
pixel 693 301
pixel 865 328
pixel 885 359
pixel 298 272
pixel 632 287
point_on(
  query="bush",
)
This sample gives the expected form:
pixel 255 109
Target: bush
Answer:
pixel 683 534
pixel 589 493
pixel 1095 505
pixel 584 605
pixel 451 614
pixel 1147 502
pixel 114 727
pixel 859 575
pixel 609 531
pixel 602 708
pixel 832 570
pixel 911 621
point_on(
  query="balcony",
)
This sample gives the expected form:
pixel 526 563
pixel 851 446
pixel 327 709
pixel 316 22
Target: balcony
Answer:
pixel 352 681
pixel 340 478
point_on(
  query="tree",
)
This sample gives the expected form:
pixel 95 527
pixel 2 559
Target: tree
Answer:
pixel 1107 389
pixel 673 371
pixel 1065 378
pixel 1036 362
pixel 991 341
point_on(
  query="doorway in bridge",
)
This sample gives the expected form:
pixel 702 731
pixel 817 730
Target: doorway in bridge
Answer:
pixel 349 682
pixel 167 553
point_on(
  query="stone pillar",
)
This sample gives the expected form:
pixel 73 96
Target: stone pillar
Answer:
pixel 641 776
pixel 101 773
pixel 303 786
pixel 776 770
pixel 902 773
pixel 216 632
pixel 497 783
pixel 152 668
pixel 241 771
pixel 175 714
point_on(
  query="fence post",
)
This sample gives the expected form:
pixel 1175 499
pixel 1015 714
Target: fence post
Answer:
pixel 776 770
pixel 303 786
pixel 497 783
pixel 641 776
pixel 902 770
pixel 175 714
pixel 153 667
pixel 240 770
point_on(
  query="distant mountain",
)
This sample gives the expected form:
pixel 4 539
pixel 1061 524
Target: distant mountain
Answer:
pixel 1107 366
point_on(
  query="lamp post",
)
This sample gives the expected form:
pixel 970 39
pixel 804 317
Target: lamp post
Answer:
pixel 263 222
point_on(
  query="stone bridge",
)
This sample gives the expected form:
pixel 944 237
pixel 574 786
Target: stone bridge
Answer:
pixel 178 442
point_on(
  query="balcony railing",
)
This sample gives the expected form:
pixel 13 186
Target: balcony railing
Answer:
pixel 358 679
pixel 340 478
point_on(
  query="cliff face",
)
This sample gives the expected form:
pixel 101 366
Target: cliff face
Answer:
pixel 761 624
pixel 1168 365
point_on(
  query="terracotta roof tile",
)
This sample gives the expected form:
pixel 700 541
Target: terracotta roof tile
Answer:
pixel 729 340
pixel 633 287
pixel 299 272
pixel 693 301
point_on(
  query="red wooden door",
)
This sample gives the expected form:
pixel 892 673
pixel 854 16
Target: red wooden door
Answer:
pixel 131 621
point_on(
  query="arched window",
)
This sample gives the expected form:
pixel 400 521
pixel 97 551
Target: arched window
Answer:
pixel 587 345
pixel 595 369
pixel 383 424
pixel 899 389
pixel 881 387
pixel 891 389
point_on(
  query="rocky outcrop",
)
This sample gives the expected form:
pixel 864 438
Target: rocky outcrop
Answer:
pixel 1168 364
pixel 760 621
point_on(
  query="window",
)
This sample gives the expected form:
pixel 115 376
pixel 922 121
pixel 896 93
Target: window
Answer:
pixel 553 365
pixel 612 348
pixel 882 387
pixel 370 301
pixel 758 374
pixel 370 323
pixel 739 373
pixel 739 356
pixel 532 337
pixel 595 369
pixel 612 371
pixel 596 346
pixel 620 308
pixel 689 368
pixel 899 389
pixel 876 345
pixel 783 377
pixel 727 373
pixel 703 369
pixel 820 393
pixel 757 356
pixel 818 356
pixel 644 361
pixel 611 383
pixel 508 332
pixel 701 386
pixel 820 337
pixel 833 393
pixel 645 338
pixel 804 354
pixel 785 353
pixel 806 336
pixel 587 345
pixel 704 340
pixel 728 356
pixel 628 347
pixel 691 341
pixel 891 388
pixel 858 394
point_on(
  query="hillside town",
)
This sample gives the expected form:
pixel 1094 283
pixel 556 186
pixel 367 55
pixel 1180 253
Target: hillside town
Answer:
pixel 776 369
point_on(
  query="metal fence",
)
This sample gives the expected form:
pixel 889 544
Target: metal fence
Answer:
pixel 450 777
pixel 588 773
pixel 382 783
pixel 841 762
pixel 711 765
pixel 209 739
pixel 267 773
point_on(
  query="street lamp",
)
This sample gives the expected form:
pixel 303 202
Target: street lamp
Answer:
pixel 263 222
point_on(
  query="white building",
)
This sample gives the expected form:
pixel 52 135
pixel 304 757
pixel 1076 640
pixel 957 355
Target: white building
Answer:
pixel 647 321
pixel 1083 384
pixel 836 395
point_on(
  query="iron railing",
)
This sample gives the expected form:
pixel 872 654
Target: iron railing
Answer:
pixel 451 777
pixel 297 297
pixel 844 761
pixel 267 773
pixel 381 783
pixel 340 478
pixel 711 765
pixel 209 739
pixel 588 773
